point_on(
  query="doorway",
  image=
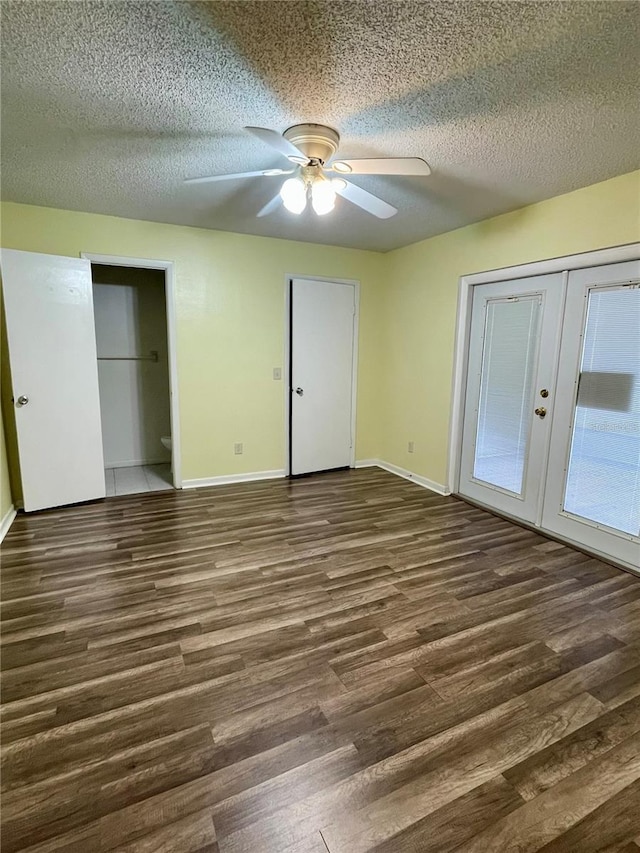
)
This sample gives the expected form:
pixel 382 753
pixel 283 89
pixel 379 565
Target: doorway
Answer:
pixel 51 398
pixel 129 305
pixel 550 430
pixel 322 334
pixel 159 275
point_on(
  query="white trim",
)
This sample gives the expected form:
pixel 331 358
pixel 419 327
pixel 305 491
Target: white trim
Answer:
pixel 418 479
pixel 354 368
pixel 459 384
pixel 227 479
pixel 553 391
pixel 598 257
pixel 170 297
pixel 7 521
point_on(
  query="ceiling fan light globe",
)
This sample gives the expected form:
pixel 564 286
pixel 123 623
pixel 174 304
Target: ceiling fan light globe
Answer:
pixel 323 197
pixel 294 195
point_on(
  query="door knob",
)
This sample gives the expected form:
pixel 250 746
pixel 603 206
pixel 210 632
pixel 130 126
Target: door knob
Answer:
pixel 541 411
pixel 299 391
pixel 22 401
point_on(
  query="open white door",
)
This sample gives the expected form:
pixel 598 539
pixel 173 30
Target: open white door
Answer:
pixel 52 350
pixel 322 360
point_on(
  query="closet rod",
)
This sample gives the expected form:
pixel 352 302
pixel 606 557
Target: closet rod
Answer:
pixel 153 356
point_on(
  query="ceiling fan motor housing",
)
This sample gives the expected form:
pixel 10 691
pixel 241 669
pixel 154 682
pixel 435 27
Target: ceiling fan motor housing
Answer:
pixel 316 141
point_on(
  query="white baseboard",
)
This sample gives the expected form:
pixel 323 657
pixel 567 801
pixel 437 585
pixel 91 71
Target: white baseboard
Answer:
pixel 136 463
pixel 402 472
pixel 368 463
pixel 227 479
pixel 7 521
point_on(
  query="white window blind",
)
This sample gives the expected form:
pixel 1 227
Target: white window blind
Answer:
pixel 506 391
pixel 603 477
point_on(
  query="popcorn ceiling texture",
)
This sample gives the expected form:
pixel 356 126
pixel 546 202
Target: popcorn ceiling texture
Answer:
pixel 107 106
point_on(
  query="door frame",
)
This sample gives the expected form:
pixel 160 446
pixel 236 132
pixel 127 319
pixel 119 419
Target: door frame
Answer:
pixel 286 372
pixel 170 300
pixel 598 257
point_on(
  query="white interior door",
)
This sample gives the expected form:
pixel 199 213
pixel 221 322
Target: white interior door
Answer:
pixel 515 330
pixel 593 485
pixel 322 360
pixel 52 350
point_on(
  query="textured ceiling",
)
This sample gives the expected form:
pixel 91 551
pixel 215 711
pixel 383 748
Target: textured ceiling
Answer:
pixel 107 106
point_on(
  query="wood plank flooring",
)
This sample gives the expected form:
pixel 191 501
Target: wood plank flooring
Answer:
pixel 345 663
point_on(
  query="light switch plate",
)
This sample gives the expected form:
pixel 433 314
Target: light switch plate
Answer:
pixel 237 448
pixel 277 373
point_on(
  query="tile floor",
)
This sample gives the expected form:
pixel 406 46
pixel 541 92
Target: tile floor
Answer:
pixel 141 478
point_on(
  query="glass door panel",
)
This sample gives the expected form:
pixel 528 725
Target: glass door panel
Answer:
pixel 506 391
pixel 593 493
pixel 603 479
pixel 515 329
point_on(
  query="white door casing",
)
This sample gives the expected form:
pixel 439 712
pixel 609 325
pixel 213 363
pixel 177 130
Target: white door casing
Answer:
pixel 322 335
pixel 170 294
pixel 52 350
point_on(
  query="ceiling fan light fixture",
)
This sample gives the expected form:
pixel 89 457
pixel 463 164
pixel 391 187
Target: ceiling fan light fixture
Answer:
pixel 294 195
pixel 323 197
pixel 342 168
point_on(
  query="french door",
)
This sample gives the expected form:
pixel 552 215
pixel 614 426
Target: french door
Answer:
pixel 561 452
pixel 515 330
pixel 593 492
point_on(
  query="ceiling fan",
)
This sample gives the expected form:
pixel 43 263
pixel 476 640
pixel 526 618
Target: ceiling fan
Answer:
pixel 309 148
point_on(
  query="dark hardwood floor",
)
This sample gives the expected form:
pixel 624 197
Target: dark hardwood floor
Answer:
pixel 344 663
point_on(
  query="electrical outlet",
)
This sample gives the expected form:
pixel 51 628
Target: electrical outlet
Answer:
pixel 277 373
pixel 410 447
pixel 238 449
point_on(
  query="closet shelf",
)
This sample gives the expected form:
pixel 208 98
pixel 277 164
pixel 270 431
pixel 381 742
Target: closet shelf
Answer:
pixel 153 356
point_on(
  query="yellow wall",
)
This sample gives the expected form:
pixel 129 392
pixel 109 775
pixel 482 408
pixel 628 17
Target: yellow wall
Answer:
pixel 230 292
pixel 230 317
pixel 419 306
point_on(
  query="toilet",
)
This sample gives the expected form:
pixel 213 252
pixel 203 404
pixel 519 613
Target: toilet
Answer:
pixel 166 441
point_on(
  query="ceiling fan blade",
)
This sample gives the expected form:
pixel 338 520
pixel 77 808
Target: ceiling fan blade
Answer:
pixel 382 166
pixel 364 199
pixel 277 141
pixel 264 173
pixel 270 206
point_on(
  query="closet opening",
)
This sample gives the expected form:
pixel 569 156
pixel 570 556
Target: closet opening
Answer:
pixel 132 339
